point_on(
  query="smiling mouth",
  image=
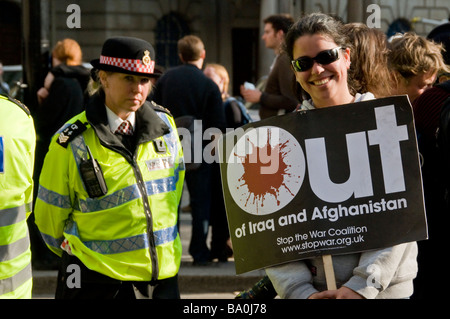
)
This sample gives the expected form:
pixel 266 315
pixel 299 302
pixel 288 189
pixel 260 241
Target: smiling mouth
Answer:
pixel 321 81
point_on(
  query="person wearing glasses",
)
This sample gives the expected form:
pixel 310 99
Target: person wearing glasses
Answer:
pixel 320 54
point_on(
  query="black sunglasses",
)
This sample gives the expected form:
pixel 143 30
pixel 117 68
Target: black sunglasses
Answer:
pixel 305 63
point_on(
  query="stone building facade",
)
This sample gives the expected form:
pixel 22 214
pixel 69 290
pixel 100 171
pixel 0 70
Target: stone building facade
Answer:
pixel 231 29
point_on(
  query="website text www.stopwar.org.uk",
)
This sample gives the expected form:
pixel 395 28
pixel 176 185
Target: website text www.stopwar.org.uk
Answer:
pixel 331 214
pixel 322 239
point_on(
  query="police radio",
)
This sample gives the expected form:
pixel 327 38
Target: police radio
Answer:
pixel 92 176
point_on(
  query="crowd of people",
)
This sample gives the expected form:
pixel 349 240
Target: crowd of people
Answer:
pixel 109 167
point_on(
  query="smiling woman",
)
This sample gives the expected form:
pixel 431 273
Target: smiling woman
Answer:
pixel 320 55
pixel 321 58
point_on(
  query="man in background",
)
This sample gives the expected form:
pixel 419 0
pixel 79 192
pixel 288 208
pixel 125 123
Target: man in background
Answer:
pixel 280 91
pixel 186 91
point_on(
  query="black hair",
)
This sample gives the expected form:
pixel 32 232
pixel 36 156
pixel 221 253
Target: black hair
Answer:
pixel 316 23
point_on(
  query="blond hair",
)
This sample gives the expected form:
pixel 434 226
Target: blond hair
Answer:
pixel 411 54
pixel 222 72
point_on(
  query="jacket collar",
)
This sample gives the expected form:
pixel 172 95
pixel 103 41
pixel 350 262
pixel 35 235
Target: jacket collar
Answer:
pixel 148 124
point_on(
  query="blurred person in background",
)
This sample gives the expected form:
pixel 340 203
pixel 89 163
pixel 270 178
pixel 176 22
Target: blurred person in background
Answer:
pixel 61 98
pixel 427 115
pixel 369 68
pixel 280 91
pixel 414 62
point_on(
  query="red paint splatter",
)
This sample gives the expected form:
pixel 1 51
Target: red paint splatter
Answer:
pixel 260 185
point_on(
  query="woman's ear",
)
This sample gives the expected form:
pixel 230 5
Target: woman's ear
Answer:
pixel 103 78
pixel 347 57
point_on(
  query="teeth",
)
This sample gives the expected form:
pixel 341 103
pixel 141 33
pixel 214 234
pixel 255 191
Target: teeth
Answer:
pixel 321 82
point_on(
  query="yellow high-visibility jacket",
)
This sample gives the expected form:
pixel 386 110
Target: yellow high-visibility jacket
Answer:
pixel 17 150
pixel 130 233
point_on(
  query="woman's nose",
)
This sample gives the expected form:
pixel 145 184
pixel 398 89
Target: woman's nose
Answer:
pixel 137 87
pixel 317 68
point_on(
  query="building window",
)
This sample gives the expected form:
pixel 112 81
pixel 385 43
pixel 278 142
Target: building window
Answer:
pixel 10 33
pixel 169 30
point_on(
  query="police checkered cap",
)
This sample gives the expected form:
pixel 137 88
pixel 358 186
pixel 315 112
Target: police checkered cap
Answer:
pixel 127 55
pixel 133 65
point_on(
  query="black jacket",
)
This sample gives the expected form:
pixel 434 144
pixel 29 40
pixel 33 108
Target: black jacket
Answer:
pixel 65 100
pixel 185 90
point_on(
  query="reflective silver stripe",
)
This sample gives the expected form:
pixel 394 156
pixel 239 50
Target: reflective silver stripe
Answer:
pixel 107 247
pixel 127 244
pixel 13 250
pixel 51 241
pixel 122 196
pixel 53 198
pixel 117 198
pixel 79 151
pixel 11 216
pixel 10 284
pixel 165 235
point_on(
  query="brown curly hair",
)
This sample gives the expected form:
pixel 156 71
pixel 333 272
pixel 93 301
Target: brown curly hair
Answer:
pixel 368 55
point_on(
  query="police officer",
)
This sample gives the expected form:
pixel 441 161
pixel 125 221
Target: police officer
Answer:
pixel 17 147
pixel 111 185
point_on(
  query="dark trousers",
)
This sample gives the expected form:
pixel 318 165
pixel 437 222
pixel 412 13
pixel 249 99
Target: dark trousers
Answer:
pixel 219 225
pixel 93 285
pixel 199 185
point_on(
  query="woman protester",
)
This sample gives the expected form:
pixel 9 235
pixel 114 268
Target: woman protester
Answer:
pixel 236 115
pixel 369 53
pixel 415 63
pixel 62 97
pixel 111 184
pixel 320 54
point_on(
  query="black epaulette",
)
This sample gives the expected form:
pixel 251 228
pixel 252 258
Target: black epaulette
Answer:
pixel 159 108
pixel 70 132
pixel 18 103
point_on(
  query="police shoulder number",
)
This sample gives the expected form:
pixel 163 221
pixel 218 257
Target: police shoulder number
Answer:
pixel 70 132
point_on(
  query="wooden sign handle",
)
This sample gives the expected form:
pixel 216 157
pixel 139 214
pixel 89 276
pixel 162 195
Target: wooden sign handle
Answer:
pixel 329 272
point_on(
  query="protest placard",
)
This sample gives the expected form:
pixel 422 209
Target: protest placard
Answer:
pixel 328 181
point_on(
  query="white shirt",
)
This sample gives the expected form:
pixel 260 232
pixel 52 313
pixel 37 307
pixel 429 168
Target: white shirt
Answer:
pixel 309 104
pixel 114 121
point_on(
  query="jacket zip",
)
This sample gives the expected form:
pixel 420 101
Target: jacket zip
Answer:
pixel 148 214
